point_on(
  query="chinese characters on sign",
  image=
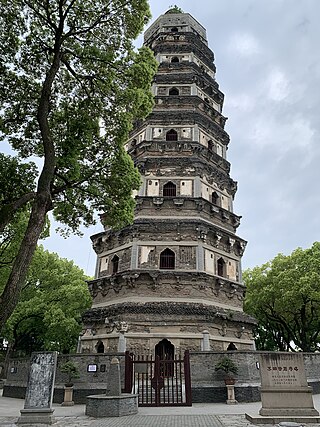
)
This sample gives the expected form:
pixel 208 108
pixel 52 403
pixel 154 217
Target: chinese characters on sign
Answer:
pixel 283 375
pixel 282 368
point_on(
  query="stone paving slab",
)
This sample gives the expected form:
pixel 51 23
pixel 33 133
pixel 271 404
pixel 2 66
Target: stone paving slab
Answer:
pixel 206 420
pixel 161 421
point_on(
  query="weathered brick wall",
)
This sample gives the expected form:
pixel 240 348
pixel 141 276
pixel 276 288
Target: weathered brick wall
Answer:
pixel 207 384
pixel 88 383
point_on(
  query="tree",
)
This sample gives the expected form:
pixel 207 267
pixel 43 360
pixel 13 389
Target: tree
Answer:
pixel 48 314
pixel 71 86
pixel 284 296
pixel 174 9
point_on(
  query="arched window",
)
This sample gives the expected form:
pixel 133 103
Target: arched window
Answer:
pixel 100 347
pixel 175 59
pixel 221 267
pixel 167 260
pixel 172 135
pixel 169 189
pixel 215 198
pixel 210 145
pixel 174 29
pixel 115 264
pixel 174 91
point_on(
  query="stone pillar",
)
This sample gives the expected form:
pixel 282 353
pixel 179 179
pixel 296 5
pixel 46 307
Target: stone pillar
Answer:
pixel 205 341
pixel 114 383
pixel 200 257
pixel 196 136
pixel 148 128
pixel 197 187
pixel 134 256
pixel 231 400
pixel 68 396
pixel 122 343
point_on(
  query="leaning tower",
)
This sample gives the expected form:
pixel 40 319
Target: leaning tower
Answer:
pixel 172 280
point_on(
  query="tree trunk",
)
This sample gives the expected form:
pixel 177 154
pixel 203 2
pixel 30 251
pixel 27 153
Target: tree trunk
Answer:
pixel 43 201
pixel 10 295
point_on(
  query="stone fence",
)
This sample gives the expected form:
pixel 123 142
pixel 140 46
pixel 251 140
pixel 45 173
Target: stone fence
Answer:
pixel 207 384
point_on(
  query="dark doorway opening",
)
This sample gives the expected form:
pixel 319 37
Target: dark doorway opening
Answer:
pixel 174 91
pixel 100 347
pixel 165 351
pixel 115 264
pixel 167 260
pixel 172 135
pixel 169 189
pixel 221 267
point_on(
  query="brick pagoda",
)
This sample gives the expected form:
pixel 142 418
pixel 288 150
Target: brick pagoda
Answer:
pixel 172 280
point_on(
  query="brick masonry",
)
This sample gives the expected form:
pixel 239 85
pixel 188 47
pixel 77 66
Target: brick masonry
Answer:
pixel 207 384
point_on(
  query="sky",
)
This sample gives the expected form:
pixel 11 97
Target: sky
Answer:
pixel 268 66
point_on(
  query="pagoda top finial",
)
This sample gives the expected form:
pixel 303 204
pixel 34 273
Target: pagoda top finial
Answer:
pixel 174 9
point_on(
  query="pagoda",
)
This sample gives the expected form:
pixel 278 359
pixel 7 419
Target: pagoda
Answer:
pixel 171 281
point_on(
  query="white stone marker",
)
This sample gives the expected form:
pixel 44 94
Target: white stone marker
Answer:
pixel 284 387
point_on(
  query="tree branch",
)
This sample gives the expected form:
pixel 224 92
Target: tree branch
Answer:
pixel 7 211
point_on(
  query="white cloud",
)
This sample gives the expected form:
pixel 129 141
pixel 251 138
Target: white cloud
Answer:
pixel 242 102
pixel 278 85
pixel 244 44
pixel 283 136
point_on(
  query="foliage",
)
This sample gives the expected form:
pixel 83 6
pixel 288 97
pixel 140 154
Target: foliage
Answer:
pixel 71 369
pixel 71 86
pixel 174 9
pixel 48 315
pixel 226 365
pixel 284 296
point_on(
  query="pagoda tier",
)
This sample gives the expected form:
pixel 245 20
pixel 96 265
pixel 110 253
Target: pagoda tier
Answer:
pixel 174 275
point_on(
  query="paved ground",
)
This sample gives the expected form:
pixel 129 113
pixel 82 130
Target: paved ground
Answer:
pixel 199 415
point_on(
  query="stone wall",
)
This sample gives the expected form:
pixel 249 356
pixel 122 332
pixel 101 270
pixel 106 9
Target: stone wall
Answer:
pixel 207 384
pixel 90 382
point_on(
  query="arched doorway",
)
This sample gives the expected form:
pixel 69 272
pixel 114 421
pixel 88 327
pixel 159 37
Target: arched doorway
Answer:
pixel 221 267
pixel 172 135
pixel 173 92
pixel 100 347
pixel 167 260
pixel 165 350
pixel 231 347
pixel 115 264
pixel 169 189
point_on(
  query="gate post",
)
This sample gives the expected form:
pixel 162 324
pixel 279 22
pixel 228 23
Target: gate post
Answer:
pixel 187 377
pixel 128 373
pixel 157 375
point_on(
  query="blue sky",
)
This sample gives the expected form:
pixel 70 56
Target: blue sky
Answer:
pixel 268 67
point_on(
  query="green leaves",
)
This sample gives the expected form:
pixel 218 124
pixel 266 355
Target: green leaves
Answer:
pixel 284 296
pixel 71 85
pixel 99 77
pixel 55 295
pixel 16 178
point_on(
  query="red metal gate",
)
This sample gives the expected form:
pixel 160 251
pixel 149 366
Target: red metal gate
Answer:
pixel 159 382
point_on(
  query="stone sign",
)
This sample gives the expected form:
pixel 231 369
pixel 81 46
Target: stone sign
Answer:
pixel 279 370
pixel 40 387
pixel 284 387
